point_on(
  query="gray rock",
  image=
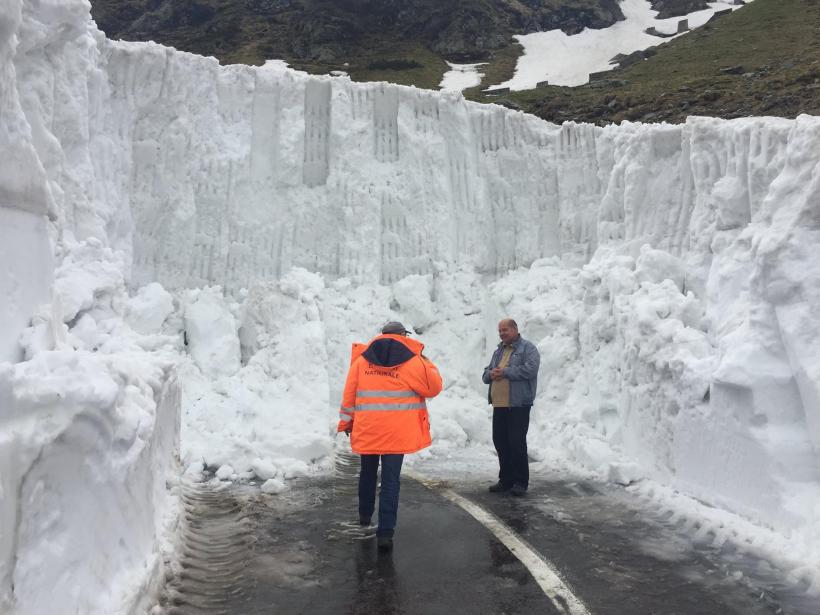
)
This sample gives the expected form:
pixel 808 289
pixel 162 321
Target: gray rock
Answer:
pixel 732 70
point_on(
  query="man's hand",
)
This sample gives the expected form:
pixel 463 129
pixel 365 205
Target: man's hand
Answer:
pixel 496 373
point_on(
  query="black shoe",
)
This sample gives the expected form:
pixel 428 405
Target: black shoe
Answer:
pixel 499 487
pixel 518 491
pixel 385 543
pixel 364 521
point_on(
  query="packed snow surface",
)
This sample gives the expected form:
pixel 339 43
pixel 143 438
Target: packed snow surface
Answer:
pixel 568 59
pixel 210 240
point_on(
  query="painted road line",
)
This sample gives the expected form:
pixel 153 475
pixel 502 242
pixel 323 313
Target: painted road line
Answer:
pixel 544 573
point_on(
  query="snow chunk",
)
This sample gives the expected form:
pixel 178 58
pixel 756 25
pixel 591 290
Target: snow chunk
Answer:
pixel 225 472
pixel 211 330
pixel 264 469
pixel 658 265
pixel 149 308
pixel 274 486
pixel 624 473
pixel 411 297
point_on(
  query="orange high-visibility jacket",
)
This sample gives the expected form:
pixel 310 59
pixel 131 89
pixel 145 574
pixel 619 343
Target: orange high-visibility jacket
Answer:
pixel 383 402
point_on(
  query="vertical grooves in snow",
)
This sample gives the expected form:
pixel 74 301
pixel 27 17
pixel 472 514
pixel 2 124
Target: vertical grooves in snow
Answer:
pixel 317 132
pixel 386 124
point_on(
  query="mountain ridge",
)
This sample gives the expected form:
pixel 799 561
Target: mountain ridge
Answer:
pixel 331 32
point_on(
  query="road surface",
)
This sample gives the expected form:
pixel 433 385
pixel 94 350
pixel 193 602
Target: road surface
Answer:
pixel 302 552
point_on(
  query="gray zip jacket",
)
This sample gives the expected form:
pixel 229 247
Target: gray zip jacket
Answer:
pixel 521 371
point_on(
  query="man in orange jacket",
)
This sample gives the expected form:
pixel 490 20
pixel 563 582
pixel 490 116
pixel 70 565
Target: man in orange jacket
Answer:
pixel 384 412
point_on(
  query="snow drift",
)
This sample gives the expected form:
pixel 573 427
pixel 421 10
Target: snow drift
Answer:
pixel 664 272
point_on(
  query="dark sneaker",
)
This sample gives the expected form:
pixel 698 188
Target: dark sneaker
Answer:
pixel 499 487
pixel 385 543
pixel 364 520
pixel 518 491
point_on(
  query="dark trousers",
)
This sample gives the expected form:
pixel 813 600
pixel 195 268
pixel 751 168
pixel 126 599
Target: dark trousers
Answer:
pixel 510 427
pixel 388 495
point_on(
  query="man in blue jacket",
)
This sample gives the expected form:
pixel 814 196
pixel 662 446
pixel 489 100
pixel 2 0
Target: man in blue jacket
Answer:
pixel 512 375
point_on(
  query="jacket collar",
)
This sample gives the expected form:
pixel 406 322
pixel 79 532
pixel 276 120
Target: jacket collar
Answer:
pixel 413 345
pixel 515 344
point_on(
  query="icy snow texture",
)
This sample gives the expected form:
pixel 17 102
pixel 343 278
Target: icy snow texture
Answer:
pixel 665 272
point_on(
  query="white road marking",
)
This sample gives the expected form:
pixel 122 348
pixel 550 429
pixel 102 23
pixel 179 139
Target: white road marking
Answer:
pixel 544 573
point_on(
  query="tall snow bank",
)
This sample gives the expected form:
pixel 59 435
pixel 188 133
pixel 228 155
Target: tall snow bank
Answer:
pixel 24 201
pixel 89 436
pixel 89 422
pixel 86 446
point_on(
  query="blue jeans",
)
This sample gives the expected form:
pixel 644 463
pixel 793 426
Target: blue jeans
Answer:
pixel 389 494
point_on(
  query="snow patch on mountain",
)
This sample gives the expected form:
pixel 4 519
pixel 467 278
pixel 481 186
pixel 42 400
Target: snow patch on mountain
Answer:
pixel 569 59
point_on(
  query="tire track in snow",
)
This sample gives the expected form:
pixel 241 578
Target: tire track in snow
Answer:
pixel 216 550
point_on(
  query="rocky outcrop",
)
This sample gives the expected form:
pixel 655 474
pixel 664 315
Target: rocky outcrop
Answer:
pixel 344 29
pixel 678 8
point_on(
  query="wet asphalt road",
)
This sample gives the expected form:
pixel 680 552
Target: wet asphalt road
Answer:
pixel 302 553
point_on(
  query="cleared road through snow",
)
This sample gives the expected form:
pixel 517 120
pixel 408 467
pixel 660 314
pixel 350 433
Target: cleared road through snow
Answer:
pixel 302 552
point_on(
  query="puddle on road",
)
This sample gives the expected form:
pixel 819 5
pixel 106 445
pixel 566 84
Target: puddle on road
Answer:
pixel 290 566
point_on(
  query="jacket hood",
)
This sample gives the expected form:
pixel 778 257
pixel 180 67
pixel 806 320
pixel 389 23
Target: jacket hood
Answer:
pixel 391 350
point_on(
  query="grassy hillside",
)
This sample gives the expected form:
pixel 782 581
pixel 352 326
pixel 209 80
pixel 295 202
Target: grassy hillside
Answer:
pixel 761 60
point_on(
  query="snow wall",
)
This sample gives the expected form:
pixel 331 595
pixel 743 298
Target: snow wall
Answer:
pixel 664 271
pixel 89 421
pixel 664 275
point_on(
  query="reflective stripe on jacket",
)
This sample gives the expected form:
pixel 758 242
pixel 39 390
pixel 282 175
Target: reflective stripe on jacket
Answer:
pixel 384 397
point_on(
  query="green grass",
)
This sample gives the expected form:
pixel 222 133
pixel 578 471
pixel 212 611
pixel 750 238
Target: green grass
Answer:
pixel 427 74
pixel 500 68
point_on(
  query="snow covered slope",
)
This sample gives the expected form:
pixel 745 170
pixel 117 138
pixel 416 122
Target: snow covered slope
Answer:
pixel 569 59
pixel 664 271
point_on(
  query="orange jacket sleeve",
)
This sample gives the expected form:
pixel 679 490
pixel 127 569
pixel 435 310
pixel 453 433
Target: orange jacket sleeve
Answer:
pixel 347 408
pixel 423 377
